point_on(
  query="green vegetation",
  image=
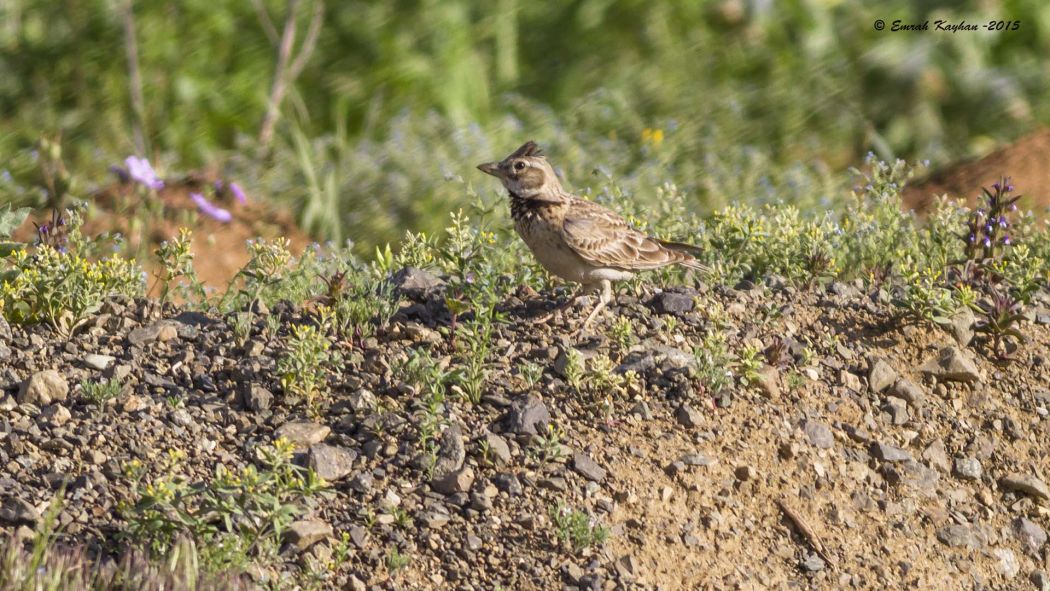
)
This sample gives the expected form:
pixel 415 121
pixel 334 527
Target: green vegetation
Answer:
pixel 577 528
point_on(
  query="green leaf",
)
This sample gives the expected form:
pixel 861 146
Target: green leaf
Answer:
pixel 11 219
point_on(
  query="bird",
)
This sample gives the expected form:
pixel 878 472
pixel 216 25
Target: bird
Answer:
pixel 575 239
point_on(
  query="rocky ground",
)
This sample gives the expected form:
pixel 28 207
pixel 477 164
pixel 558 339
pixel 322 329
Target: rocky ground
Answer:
pixel 872 453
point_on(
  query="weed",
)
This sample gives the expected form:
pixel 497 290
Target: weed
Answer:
pixel 577 528
pixel 100 393
pixel 304 366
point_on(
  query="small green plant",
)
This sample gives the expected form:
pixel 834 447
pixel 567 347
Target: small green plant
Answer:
pixel 749 364
pixel 714 361
pixel 395 561
pixel 236 518
pixel 100 393
pixel 176 260
pixel 548 445
pixel 999 322
pixel 623 333
pixel 577 528
pixel 56 283
pixel 530 372
pixel 304 366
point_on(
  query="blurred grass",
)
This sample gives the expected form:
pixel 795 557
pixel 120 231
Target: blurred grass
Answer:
pixel 401 99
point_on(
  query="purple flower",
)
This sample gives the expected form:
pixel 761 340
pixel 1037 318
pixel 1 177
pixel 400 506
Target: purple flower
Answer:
pixel 995 186
pixel 1013 207
pixel 987 242
pixel 210 209
pixel 973 238
pixel 140 171
pixel 238 193
pixel 1009 188
pixel 1002 222
pixel 1006 240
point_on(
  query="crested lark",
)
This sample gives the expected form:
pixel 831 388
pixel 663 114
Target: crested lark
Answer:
pixel 576 239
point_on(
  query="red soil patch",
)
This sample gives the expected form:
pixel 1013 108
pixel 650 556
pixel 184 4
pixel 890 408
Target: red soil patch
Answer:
pixel 219 248
pixel 1026 162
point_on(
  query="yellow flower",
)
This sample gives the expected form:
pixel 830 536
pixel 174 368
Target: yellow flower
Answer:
pixel 653 137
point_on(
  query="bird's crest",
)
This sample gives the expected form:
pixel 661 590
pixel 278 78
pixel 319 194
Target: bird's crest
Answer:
pixel 529 148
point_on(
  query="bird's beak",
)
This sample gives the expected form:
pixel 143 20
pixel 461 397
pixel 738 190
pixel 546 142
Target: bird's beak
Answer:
pixel 489 168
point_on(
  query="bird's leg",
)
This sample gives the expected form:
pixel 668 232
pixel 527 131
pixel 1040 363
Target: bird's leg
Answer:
pixel 603 301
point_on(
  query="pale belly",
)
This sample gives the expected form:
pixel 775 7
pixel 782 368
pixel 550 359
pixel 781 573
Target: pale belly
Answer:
pixel 559 259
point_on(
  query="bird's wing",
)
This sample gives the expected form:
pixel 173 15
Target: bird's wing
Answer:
pixel 603 238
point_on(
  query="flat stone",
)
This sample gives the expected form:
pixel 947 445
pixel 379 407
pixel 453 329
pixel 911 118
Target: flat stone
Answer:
pixel 56 415
pixel 434 519
pixel 958 536
pixel 768 382
pixel 528 416
pixel 962 326
pixel 1031 535
pixel 936 455
pixel 881 376
pixel 331 462
pixel 670 302
pixel 1025 483
pixel 906 389
pixel 587 467
pixel 967 469
pixel 498 450
pixel 849 380
pixel 15 511
pixel 814 563
pixel 1040 579
pixel 307 532
pixel 43 388
pixel 451 453
pixel 889 453
pixel 415 283
pixel 99 362
pixel 303 433
pixel 1007 564
pixel 362 482
pixel 697 459
pixel 256 398
pixel 953 365
pixel 165 330
pixel 819 435
pixel 459 481
pixel 688 417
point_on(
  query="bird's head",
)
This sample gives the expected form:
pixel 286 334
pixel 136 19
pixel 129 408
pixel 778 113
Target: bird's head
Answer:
pixel 525 173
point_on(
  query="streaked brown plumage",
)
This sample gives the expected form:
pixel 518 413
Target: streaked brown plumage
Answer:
pixel 576 239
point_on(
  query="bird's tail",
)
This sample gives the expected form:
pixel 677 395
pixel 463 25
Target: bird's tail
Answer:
pixel 689 249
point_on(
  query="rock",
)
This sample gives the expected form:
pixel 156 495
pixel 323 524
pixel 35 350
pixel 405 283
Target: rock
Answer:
pixel 849 380
pixel 768 382
pixel 459 481
pixel 497 449
pixel 962 326
pixel 165 330
pixel 362 482
pixel 303 433
pixel 415 283
pixel 897 408
pixel 696 459
pixel 15 511
pixel 56 415
pixel 1031 535
pixel 256 398
pixel 331 462
pixel 889 453
pixel 908 390
pixel 936 455
pixel 43 388
pixel 627 567
pixel 953 365
pixel 508 483
pixel 99 362
pixel 670 302
pixel 307 532
pixel 881 376
pixel 689 417
pixel 587 467
pixel 1007 564
pixel 1040 579
pixel 958 536
pixel 528 416
pixel 912 474
pixel 362 400
pixel 434 519
pixel 813 563
pixel 967 469
pixel 451 453
pixel 819 434
pixel 1025 483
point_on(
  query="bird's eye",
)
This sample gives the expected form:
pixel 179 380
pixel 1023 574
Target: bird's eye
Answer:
pixel 519 165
